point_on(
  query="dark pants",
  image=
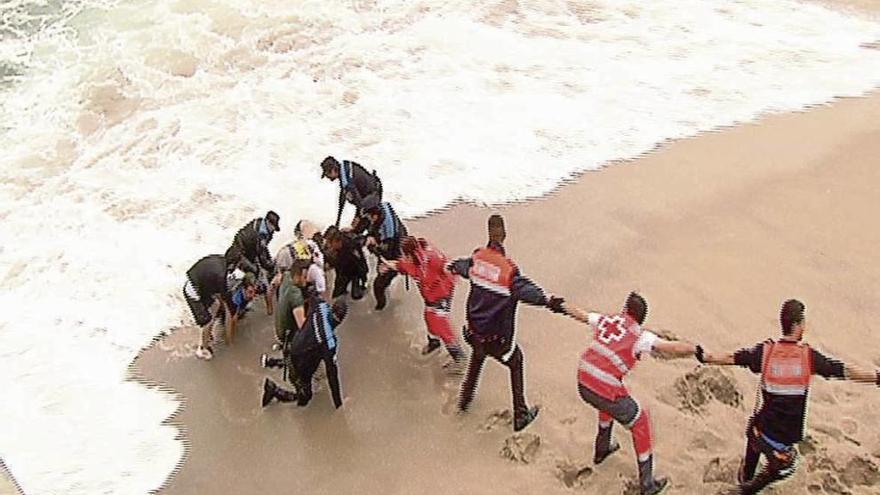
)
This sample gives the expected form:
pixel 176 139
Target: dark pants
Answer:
pixel 498 348
pixel 628 413
pixel 781 463
pixel 302 367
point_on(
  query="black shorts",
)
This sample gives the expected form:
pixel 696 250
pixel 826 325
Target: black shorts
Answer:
pixel 199 311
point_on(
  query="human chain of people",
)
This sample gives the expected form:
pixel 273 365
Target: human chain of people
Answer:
pixel 220 288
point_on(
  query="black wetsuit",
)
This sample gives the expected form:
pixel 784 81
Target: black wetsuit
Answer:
pixel 308 347
pixel 356 185
pixel 250 249
pixel 388 232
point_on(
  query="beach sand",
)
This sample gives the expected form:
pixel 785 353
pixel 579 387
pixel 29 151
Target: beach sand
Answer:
pixel 715 232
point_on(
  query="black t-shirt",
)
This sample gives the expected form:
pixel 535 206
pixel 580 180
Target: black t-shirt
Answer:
pixel 782 417
pixel 208 276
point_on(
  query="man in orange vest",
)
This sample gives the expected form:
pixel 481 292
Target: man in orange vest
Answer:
pixel 496 287
pixel 619 341
pixel 786 367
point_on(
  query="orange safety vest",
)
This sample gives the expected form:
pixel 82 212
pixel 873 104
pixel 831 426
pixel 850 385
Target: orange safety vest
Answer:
pixel 787 368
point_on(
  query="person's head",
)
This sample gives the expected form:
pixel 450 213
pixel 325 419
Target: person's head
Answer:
pixel 793 319
pixel 340 310
pixel 409 245
pixel 244 293
pixel 497 232
pixel 330 168
pixel 332 238
pixel 305 230
pixel 272 222
pixel 299 272
pixel 636 307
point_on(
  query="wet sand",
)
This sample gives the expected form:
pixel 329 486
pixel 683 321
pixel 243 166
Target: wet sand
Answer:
pixel 7 486
pixel 715 231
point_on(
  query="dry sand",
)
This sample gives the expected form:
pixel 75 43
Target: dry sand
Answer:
pixel 715 231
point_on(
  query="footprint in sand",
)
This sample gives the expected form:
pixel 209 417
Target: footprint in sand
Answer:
pixel 573 474
pixel 697 388
pixel 521 447
pixel 501 417
pixel 720 470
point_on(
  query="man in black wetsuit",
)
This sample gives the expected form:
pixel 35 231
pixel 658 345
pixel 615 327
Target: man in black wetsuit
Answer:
pixel 384 236
pixel 249 251
pixel 303 351
pixel 786 367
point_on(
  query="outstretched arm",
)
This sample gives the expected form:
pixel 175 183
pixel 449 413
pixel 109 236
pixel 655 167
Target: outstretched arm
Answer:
pixel 705 357
pixel 576 313
pixel 341 206
pixel 673 348
pixel 460 266
pixel 860 375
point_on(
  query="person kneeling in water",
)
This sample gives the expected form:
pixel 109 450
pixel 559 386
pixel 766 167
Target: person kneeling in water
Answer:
pixel 303 351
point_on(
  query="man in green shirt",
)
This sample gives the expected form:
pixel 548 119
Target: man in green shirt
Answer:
pixel 290 312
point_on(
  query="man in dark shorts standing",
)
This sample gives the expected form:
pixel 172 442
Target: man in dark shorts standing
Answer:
pixel 212 301
pixel 786 367
pixel 496 288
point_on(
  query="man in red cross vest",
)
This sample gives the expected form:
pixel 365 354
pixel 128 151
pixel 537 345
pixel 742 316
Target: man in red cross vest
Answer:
pixel 496 287
pixel 619 341
pixel 786 367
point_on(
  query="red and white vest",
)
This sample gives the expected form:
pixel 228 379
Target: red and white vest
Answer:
pixel 787 368
pixel 610 356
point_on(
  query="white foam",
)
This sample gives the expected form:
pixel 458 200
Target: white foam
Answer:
pixel 118 174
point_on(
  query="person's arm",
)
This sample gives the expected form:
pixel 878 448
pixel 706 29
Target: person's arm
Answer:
pixel 577 313
pixel 333 378
pixel 341 205
pixel 527 291
pixel 828 367
pixel 674 349
pixel 231 322
pixel 390 265
pixel 299 315
pixel 460 266
pixel 748 357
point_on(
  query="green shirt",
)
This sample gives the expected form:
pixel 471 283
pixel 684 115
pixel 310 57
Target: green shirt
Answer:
pixel 290 297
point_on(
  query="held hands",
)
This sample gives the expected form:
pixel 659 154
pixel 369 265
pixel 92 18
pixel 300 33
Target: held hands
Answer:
pixel 555 304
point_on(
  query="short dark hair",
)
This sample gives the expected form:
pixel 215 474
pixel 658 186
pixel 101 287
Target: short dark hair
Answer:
pixel 496 227
pixel 636 307
pixel 300 264
pixel 791 314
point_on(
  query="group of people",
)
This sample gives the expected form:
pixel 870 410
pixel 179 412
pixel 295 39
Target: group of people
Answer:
pixel 219 289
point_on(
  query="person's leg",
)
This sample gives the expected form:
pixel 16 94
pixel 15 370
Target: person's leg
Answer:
pixel 752 455
pixel 780 465
pixel 333 378
pixel 605 444
pixel 340 283
pixel 469 385
pixel 380 285
pixel 202 316
pixel 633 417
pixel 437 320
pixel 508 353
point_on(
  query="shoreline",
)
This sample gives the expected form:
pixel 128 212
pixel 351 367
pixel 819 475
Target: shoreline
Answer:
pixel 669 224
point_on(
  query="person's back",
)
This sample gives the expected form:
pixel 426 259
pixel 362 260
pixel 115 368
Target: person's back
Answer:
pixel 208 276
pixel 290 297
pixel 491 307
pixel 618 343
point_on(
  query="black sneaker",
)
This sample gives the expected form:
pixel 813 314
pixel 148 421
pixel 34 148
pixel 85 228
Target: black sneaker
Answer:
pixel 658 487
pixel 357 292
pixel 270 362
pixel 600 458
pixel 431 346
pixel 268 391
pixel 525 419
pixel 381 301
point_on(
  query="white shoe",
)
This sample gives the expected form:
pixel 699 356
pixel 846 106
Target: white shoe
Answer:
pixel 204 353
